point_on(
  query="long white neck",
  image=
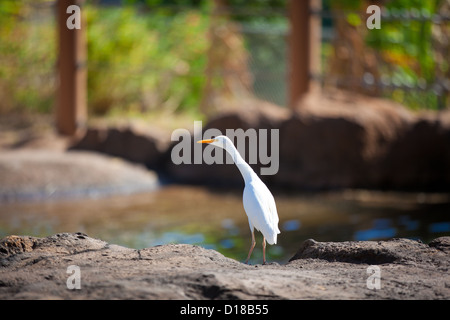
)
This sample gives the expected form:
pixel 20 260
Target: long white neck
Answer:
pixel 246 171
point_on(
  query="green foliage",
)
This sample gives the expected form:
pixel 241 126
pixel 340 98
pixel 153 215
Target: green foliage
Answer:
pixel 137 61
pixel 407 46
pixel 145 61
pixel 27 68
pixel 160 3
pixel 147 57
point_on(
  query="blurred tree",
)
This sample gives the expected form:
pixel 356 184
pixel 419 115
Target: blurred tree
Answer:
pixel 145 62
pixel 402 53
pixel 28 55
pixel 227 75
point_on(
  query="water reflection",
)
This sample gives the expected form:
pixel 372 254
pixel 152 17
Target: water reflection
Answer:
pixel 291 225
pixel 382 229
pixel 408 224
pixel 439 227
pixel 216 219
pixel 178 237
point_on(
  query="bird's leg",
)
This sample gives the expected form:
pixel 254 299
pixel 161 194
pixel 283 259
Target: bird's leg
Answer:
pixel 252 247
pixel 264 250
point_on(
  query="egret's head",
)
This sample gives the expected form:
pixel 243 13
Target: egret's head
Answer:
pixel 219 141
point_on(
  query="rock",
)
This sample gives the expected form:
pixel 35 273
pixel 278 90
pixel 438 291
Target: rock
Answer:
pixel 38 174
pixel 337 141
pixel 419 158
pixel 253 115
pixel 370 252
pixel 132 143
pixel 442 243
pixel 333 140
pixel 14 245
pixel 37 268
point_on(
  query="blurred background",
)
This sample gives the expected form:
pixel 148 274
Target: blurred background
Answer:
pixel 366 110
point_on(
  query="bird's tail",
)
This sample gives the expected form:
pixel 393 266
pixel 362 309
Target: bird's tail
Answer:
pixel 273 238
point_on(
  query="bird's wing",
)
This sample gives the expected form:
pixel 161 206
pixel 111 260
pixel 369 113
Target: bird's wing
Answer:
pixel 274 212
pixel 260 207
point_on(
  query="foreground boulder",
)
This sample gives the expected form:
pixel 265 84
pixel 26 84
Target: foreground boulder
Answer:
pixel 43 268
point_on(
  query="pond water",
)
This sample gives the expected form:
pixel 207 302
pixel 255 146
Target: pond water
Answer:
pixel 216 219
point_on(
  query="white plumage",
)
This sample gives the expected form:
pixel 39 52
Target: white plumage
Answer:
pixel 259 204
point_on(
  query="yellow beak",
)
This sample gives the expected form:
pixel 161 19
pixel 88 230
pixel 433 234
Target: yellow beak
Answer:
pixel 206 141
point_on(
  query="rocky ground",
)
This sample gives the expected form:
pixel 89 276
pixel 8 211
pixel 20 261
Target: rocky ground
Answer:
pixel 39 268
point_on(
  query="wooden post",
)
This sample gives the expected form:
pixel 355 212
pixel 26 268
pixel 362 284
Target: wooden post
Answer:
pixel 71 108
pixel 304 48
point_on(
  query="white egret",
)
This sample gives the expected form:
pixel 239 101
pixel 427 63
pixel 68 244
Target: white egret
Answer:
pixel 259 204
